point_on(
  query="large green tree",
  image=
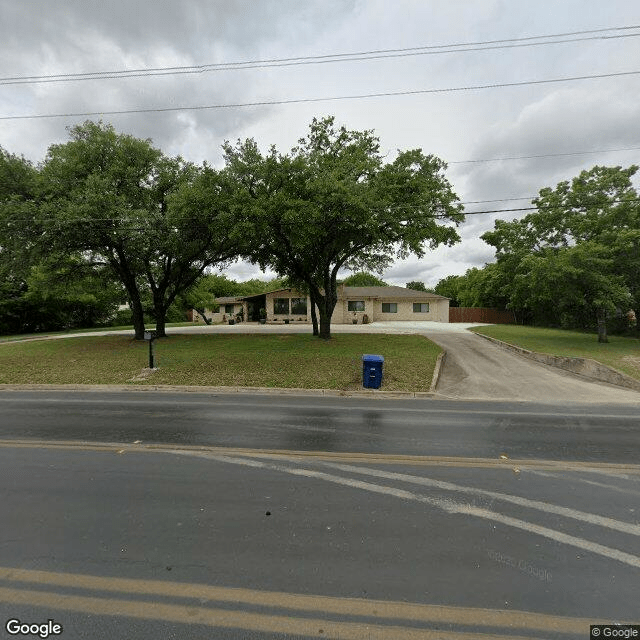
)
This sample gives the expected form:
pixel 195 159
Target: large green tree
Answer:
pixel 573 282
pixel 156 222
pixel 334 202
pixel 600 210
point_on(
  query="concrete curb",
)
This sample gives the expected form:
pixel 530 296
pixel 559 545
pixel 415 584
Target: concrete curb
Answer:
pixel 436 372
pixel 585 367
pixel 370 393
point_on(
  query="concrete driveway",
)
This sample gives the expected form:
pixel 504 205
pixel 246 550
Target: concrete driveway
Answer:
pixel 477 368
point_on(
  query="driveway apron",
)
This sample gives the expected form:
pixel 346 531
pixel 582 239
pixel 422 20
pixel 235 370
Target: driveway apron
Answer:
pixel 477 368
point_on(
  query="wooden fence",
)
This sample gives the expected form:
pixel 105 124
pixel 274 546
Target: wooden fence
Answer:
pixel 480 314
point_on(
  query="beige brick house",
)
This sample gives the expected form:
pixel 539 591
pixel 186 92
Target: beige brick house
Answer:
pixel 372 304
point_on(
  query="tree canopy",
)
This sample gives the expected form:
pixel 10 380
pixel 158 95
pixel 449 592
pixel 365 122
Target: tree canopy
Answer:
pixel 333 202
pixel 156 222
pixel 573 262
pixel 363 279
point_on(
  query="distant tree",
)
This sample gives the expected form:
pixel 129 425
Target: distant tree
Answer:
pixel 486 287
pixel 416 285
pixel 255 286
pixel 363 279
pixel 69 291
pixel 332 202
pixel 449 287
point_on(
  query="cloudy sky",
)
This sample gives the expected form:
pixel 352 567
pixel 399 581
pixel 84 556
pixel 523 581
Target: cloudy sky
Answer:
pixel 45 38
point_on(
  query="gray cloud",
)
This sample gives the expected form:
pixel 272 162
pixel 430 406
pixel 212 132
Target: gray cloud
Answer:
pixel 41 37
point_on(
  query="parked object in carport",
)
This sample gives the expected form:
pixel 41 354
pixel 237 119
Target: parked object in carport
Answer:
pixel 372 366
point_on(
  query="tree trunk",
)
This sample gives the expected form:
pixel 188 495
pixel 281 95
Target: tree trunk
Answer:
pixel 602 326
pixel 327 304
pixel 160 323
pixel 314 315
pixel 201 313
pixel 138 316
pixel 325 322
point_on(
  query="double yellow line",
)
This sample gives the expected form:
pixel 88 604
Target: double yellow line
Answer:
pixel 300 456
pixel 378 620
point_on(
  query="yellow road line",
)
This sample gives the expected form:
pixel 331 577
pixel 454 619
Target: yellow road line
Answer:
pixel 425 613
pixel 370 458
pixel 225 618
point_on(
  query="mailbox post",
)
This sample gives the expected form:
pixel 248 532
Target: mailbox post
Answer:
pixel 150 336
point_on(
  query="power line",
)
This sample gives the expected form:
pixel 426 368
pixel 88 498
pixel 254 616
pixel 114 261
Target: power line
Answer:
pixel 104 227
pixel 326 99
pixel 544 155
pixel 330 58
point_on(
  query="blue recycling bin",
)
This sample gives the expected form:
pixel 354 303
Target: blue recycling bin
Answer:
pixel 372 371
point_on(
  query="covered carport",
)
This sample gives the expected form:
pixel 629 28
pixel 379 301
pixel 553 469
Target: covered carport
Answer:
pixel 254 304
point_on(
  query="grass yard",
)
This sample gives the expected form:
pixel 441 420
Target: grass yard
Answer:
pixel 284 360
pixel 620 353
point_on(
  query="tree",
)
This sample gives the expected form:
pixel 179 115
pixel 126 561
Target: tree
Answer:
pixel 17 186
pixel 156 222
pixel 599 209
pixel 449 287
pixel 363 279
pixel 417 285
pixel 332 202
pixel 573 281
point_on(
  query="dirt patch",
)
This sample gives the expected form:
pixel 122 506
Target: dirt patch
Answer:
pixel 634 361
pixel 143 375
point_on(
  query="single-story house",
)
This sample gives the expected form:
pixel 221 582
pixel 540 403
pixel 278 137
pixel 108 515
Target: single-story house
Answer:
pixel 368 304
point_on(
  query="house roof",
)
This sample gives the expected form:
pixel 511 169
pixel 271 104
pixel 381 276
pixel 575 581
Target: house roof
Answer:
pixel 228 299
pixel 390 292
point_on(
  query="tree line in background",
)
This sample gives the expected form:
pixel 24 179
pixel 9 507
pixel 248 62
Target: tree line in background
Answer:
pixel 572 263
pixel 107 218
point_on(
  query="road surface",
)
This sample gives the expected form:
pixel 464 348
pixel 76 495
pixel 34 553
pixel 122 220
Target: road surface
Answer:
pixel 154 515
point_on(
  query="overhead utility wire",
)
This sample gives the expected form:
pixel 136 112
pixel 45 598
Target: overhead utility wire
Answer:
pixel 543 155
pixel 238 66
pixel 465 213
pixel 326 99
pixel 335 57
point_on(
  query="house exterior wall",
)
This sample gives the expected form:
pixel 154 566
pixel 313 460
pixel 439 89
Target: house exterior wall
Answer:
pixel 438 309
pixel 293 317
pixel 221 315
pixel 342 315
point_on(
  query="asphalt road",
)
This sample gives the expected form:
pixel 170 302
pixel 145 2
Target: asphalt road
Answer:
pixel 572 431
pixel 395 519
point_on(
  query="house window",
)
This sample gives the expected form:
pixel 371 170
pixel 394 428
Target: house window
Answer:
pixel 299 306
pixel 355 305
pixel 420 307
pixel 281 305
pixel 389 307
pixel 228 308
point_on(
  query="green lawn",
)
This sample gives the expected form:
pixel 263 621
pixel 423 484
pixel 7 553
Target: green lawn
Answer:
pixel 289 360
pixel 620 353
